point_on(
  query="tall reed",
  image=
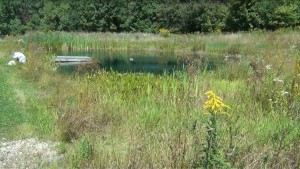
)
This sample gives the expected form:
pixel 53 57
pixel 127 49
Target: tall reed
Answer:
pixel 219 43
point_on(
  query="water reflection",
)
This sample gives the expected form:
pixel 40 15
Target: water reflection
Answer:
pixel 144 62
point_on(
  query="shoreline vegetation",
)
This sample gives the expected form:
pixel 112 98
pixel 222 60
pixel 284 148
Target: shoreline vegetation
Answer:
pixel 107 119
pixel 231 43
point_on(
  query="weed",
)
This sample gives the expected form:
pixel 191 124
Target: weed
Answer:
pixel 83 153
pixel 200 46
pixel 234 49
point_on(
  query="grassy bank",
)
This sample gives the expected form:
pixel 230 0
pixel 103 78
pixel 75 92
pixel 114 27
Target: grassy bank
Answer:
pixel 238 43
pixel 11 114
pixel 123 120
pixel 23 114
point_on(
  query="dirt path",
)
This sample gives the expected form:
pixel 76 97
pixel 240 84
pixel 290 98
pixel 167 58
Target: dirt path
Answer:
pixel 27 153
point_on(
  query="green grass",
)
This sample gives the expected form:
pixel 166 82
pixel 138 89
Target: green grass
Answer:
pixel 22 113
pixel 124 120
pixel 11 114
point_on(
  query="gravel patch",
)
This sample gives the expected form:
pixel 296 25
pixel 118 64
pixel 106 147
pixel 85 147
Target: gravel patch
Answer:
pixel 27 153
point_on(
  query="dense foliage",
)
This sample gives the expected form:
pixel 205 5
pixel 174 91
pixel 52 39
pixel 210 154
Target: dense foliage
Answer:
pixel 179 16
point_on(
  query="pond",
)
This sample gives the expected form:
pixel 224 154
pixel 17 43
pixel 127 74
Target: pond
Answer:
pixel 143 61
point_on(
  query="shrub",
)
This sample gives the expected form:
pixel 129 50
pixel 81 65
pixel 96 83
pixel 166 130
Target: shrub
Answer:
pixel 207 17
pixel 242 16
pixel 284 16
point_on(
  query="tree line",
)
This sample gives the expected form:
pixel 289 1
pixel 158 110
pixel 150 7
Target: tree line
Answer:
pixel 178 16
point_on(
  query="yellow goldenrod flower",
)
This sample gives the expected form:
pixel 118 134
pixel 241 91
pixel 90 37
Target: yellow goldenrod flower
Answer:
pixel 164 32
pixel 215 104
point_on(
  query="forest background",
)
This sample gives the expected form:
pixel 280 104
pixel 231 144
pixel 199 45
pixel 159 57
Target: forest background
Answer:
pixel 178 16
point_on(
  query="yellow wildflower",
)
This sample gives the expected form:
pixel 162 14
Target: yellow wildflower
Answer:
pixel 164 32
pixel 214 104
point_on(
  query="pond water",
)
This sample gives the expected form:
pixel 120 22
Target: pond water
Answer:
pixel 133 61
pixel 140 61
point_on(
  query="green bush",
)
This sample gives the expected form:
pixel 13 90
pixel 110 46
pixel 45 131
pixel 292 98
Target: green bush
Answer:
pixel 207 17
pixel 242 16
pixel 285 16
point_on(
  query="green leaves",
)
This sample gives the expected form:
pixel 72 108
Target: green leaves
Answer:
pixel 16 17
pixel 285 16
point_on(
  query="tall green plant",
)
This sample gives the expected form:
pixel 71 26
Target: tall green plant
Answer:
pixel 215 107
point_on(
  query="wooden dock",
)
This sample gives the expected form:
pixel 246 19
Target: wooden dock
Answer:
pixel 73 60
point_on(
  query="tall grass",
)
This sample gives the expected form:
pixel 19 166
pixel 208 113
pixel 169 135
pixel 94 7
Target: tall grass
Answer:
pixel 23 112
pixel 241 43
pixel 10 113
pixel 126 120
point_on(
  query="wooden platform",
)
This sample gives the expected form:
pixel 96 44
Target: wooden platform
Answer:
pixel 73 60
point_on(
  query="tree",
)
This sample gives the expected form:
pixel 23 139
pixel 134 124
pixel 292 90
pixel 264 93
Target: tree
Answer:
pixel 10 21
pixel 241 16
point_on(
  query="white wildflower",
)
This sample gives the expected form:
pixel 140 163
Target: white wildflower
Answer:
pixel 268 67
pixel 226 58
pixel 278 80
pixel 20 41
pixel 284 93
pixel 293 47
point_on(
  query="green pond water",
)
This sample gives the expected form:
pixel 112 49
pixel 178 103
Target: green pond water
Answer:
pixel 143 62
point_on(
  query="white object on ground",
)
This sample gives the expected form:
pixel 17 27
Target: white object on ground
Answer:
pixel 12 62
pixel 20 57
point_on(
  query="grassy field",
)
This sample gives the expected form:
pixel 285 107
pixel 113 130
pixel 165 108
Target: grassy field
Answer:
pixel 124 120
pixel 11 114
pixel 22 114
